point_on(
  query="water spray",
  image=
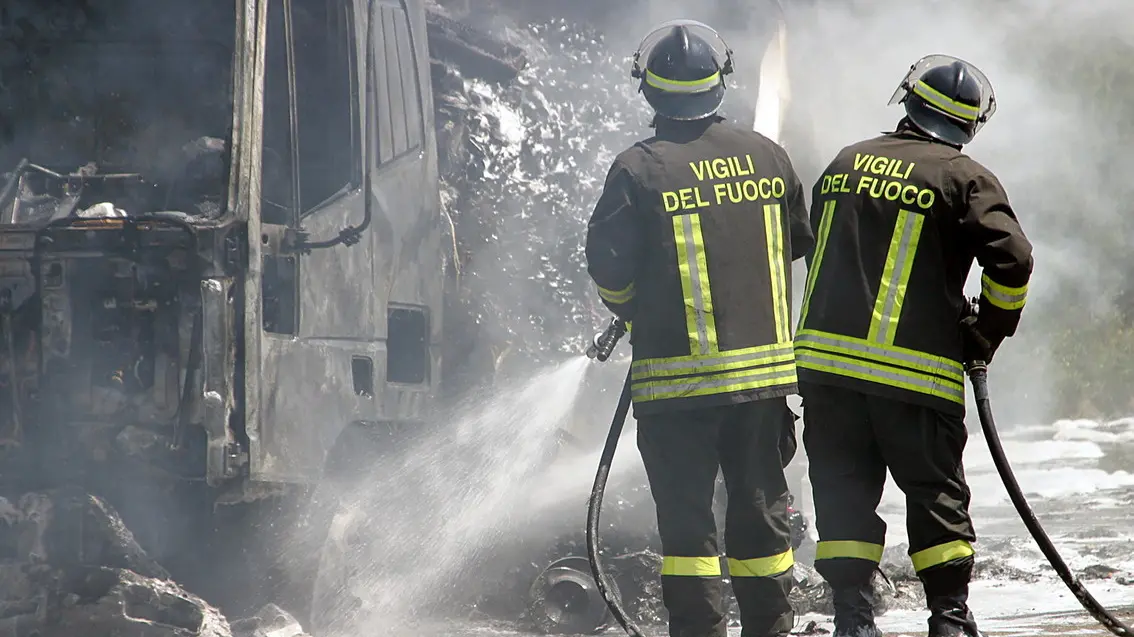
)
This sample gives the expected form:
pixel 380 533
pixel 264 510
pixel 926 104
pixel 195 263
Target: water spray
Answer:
pixel 978 375
pixel 601 349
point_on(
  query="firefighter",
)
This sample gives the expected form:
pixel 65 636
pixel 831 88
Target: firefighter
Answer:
pixel 884 330
pixel 691 242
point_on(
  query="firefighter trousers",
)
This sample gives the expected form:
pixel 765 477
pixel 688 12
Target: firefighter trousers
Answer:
pixel 851 440
pixel 682 452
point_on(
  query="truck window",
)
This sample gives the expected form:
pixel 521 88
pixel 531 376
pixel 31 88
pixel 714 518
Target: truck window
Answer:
pixel 276 205
pixel 325 100
pixel 397 116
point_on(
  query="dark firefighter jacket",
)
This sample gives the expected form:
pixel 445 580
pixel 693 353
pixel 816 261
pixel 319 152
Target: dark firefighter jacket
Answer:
pixel 899 220
pixel 692 241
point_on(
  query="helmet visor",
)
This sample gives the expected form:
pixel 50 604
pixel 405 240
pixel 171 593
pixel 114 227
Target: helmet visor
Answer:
pixel 909 84
pixel 700 29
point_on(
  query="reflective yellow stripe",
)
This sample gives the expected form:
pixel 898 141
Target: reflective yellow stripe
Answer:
pixel 682 86
pixel 886 354
pixel 649 368
pixel 940 554
pixel 761 566
pixel 817 258
pixel 895 277
pixel 625 295
pixel 850 549
pixel 775 237
pixel 691 566
pixel 945 103
pixel 693 266
pixel 711 384
pixel 875 373
pixel 888 365
pixel 1002 296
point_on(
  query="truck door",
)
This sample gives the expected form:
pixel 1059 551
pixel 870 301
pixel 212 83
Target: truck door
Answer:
pixel 402 161
pixel 320 331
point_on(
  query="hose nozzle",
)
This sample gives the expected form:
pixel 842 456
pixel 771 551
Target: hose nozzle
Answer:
pixel 604 342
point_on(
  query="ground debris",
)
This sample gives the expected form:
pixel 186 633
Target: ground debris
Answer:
pixel 271 621
pixel 69 566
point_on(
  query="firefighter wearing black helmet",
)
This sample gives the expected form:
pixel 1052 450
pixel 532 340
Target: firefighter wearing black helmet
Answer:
pixel 885 329
pixel 691 241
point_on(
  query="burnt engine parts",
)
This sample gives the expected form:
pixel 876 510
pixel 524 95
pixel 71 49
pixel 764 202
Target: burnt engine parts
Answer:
pixel 564 599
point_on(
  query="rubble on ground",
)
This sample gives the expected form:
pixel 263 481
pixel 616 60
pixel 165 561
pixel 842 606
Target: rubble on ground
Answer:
pixel 69 566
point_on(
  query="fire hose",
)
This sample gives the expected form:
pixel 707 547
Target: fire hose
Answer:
pixel 978 374
pixel 601 349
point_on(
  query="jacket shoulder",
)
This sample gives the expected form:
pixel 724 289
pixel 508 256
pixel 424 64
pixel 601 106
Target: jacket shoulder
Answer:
pixel 965 166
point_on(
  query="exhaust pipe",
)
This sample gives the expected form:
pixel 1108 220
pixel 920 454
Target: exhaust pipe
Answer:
pixel 565 600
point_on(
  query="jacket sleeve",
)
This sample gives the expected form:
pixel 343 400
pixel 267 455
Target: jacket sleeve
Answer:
pixel 802 237
pixel 1003 252
pixel 613 242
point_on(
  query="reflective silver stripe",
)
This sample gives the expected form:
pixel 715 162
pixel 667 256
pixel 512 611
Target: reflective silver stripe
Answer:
pixel 737 359
pixel 945 103
pixel 691 261
pixel 886 354
pixel 1002 296
pixel 782 374
pixel 683 86
pixel 775 237
pixel 874 372
pixel 895 277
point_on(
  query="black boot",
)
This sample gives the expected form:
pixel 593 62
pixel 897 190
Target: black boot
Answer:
pixel 854 612
pixel 949 616
pixel 947 595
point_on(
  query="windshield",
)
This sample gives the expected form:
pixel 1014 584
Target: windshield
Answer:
pixel 120 102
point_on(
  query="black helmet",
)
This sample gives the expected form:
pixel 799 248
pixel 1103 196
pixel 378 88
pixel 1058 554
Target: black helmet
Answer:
pixel 947 98
pixel 684 74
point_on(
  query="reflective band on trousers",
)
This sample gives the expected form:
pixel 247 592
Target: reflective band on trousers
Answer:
pixel 761 566
pixel 625 295
pixel 888 365
pixel 848 549
pixel 940 554
pixel 694 270
pixel 1002 296
pixel 817 258
pixel 895 277
pixel 682 86
pixel 775 237
pixel 949 105
pixel 691 566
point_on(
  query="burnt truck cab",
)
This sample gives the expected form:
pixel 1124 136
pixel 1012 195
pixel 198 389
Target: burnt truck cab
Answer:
pixel 220 238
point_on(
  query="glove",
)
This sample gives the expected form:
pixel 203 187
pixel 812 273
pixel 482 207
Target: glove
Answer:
pixel 975 344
